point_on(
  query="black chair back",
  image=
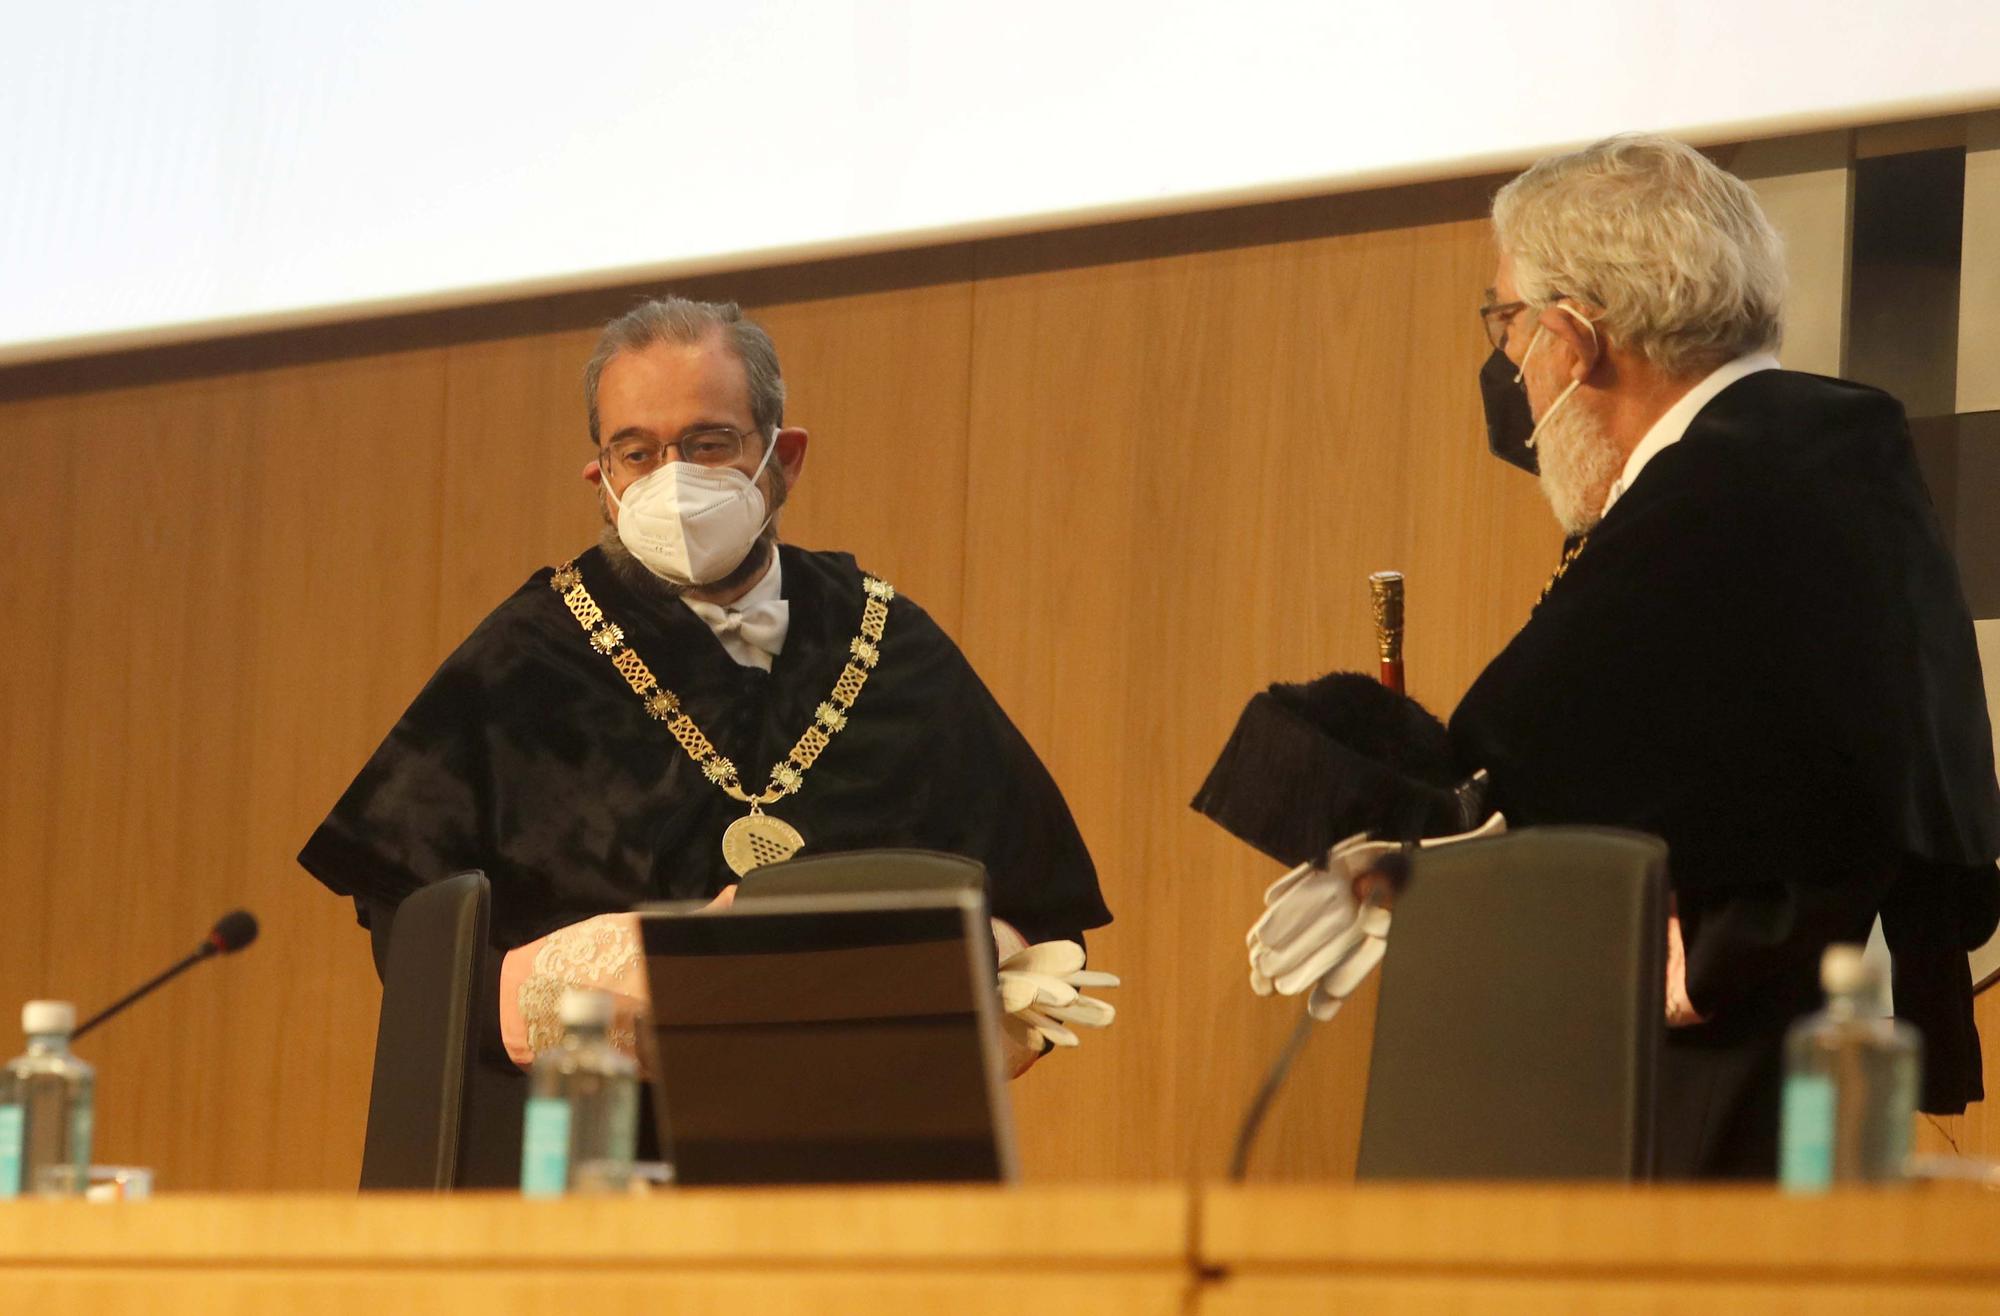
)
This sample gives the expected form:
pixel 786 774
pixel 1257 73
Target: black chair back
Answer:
pixel 1521 1014
pixel 425 1040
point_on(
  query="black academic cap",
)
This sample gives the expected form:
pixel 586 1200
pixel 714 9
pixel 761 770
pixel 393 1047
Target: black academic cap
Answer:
pixel 1310 765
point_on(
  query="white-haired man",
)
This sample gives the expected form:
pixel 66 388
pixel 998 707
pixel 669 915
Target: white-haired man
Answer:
pixel 1755 644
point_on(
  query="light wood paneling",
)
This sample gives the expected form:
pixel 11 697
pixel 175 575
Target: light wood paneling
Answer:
pixel 1547 1247
pixel 1945 1231
pixel 36 499
pixel 518 1291
pixel 1122 1251
pixel 1657 1295
pixel 880 381
pixel 1071 1224
pixel 966 1253
pixel 240 592
pixel 513 499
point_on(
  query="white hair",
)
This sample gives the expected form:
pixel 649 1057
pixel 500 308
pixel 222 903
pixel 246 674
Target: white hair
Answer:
pixel 1676 253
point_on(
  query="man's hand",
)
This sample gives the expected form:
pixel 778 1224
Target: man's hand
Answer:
pixel 1018 1051
pixel 1680 1010
pixel 601 953
pixel 1325 926
pixel 1040 989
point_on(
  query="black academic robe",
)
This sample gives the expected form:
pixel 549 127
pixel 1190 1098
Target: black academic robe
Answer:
pixel 528 756
pixel 1762 655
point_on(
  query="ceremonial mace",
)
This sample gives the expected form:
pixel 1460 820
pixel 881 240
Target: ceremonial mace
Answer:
pixel 1385 593
pixel 1385 597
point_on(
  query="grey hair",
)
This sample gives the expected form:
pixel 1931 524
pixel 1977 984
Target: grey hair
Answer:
pixel 1677 253
pixel 673 319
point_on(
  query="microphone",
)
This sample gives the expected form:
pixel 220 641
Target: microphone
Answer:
pixel 231 933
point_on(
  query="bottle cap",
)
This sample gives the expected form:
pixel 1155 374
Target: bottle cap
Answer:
pixel 39 1018
pixel 585 1008
pixel 1843 971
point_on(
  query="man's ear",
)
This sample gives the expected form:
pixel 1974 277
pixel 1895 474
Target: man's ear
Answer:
pixel 1582 337
pixel 593 473
pixel 791 453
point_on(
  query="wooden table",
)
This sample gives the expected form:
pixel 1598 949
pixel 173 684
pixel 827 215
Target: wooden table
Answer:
pixel 970 1252
pixel 1538 1249
pixel 1093 1251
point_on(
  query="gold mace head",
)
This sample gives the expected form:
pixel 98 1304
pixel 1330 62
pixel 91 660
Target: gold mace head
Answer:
pixel 1385 596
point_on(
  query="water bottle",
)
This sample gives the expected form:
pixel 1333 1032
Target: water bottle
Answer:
pixel 45 1108
pixel 1850 1098
pixel 583 1107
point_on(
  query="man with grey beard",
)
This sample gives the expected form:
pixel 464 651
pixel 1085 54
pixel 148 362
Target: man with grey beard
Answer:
pixel 680 704
pixel 1754 644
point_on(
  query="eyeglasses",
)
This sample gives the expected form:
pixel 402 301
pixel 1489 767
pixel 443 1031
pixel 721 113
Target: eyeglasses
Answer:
pixel 1496 317
pixel 711 445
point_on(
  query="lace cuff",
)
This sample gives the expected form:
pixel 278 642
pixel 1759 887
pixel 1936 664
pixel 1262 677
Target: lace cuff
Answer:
pixel 600 953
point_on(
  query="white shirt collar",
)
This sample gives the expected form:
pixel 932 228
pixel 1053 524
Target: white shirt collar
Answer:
pixel 768 590
pixel 1669 428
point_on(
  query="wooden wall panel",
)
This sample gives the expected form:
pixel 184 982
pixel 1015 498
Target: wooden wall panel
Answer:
pixel 230 595
pixel 35 515
pixel 880 382
pixel 513 499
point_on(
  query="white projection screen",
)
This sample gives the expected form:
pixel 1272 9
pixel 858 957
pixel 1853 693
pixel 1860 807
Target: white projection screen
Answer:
pixel 176 170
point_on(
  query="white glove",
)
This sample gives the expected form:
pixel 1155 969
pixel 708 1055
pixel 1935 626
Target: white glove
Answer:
pixel 1314 934
pixel 1039 990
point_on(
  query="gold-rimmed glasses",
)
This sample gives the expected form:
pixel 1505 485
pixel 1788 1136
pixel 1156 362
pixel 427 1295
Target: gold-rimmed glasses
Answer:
pixel 632 456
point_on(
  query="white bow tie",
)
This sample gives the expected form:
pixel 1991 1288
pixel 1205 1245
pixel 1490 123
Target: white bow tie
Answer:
pixel 761 626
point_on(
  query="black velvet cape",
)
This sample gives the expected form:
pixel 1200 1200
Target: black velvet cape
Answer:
pixel 528 756
pixel 1763 655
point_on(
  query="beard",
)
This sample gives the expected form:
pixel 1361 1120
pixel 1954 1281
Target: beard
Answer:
pixel 1577 466
pixel 639 578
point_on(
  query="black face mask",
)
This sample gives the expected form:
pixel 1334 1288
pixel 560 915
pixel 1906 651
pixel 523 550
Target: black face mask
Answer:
pixel 1509 422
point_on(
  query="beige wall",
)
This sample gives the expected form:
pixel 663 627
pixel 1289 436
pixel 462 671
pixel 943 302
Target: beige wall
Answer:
pixel 1138 471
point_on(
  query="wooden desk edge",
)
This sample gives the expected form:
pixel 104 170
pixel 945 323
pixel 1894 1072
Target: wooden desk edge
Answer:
pixel 1142 1226
pixel 1947 1232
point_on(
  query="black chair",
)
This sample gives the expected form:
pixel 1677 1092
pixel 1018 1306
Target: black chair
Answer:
pixel 425 1042
pixel 1521 1015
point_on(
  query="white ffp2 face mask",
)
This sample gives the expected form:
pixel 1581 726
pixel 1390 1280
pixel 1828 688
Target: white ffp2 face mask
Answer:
pixel 690 524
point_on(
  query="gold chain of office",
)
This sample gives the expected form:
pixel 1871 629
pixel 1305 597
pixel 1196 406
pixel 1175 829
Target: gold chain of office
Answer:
pixel 756 839
pixel 1570 554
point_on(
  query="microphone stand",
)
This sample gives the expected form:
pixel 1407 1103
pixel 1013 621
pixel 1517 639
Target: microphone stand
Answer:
pixel 207 949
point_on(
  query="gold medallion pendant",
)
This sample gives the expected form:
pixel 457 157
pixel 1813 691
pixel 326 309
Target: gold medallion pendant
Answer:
pixel 757 839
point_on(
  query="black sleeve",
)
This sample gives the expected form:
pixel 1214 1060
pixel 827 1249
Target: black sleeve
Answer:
pixel 1041 878
pixel 1757 947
